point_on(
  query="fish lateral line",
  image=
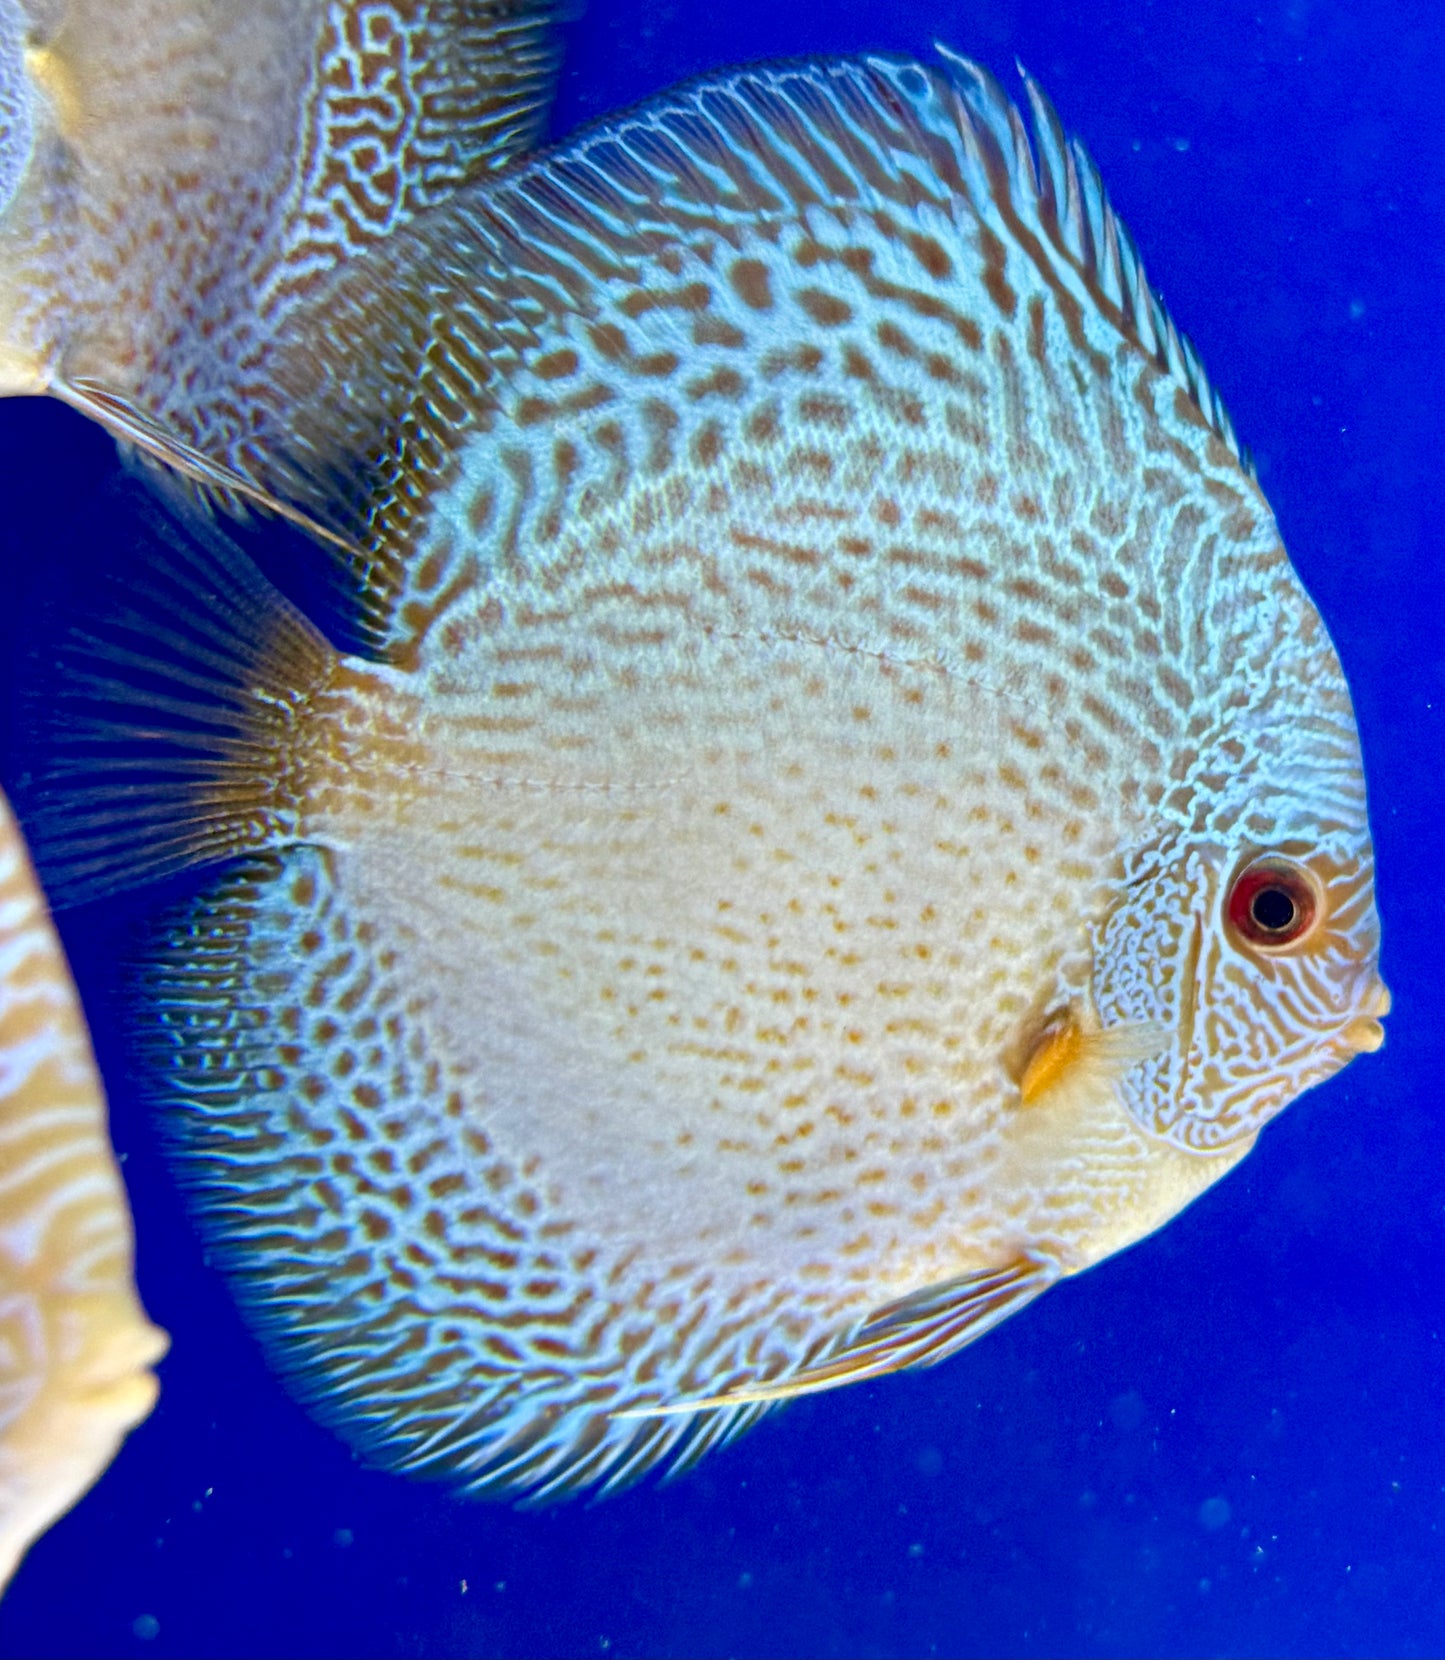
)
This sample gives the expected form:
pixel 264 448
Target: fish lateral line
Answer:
pixel 827 644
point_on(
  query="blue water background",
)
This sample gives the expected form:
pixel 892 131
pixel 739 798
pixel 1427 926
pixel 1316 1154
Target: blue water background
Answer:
pixel 1227 1440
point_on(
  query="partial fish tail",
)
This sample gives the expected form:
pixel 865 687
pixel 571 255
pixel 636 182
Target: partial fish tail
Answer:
pixel 157 735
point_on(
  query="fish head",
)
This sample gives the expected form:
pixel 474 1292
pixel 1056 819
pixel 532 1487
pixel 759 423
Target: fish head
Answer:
pixel 1251 935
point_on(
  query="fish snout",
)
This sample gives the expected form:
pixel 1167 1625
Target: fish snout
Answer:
pixel 1363 1033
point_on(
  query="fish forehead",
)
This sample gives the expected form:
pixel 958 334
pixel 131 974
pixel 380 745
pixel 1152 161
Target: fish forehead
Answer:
pixel 43 1050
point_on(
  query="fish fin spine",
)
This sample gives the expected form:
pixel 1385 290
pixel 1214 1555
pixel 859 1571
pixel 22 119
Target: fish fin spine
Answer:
pixel 129 424
pixel 1056 184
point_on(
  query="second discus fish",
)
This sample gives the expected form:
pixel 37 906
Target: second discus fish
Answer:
pixel 176 177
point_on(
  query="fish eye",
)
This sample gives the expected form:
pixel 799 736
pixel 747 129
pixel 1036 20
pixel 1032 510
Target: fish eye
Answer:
pixel 1272 904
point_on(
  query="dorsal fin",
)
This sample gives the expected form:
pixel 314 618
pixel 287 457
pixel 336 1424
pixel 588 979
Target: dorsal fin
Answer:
pixel 1056 187
pixel 428 338
pixel 919 1330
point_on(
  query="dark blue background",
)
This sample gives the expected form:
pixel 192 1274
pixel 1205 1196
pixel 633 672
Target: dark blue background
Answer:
pixel 1277 1348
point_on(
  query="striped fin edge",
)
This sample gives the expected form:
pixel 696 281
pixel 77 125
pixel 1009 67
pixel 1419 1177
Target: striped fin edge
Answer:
pixel 919 1330
pixel 1056 187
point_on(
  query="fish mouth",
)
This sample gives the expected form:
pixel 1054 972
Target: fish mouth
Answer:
pixel 1363 1034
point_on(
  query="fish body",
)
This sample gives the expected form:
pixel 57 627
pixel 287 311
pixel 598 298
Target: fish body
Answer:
pixel 77 1347
pixel 849 815
pixel 177 175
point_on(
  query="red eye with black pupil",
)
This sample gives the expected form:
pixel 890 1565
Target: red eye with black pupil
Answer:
pixel 1272 904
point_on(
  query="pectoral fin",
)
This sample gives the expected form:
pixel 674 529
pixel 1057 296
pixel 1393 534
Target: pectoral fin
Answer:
pixel 1075 1058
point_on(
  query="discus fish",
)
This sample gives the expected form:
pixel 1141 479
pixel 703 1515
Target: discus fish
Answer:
pixel 75 1345
pixel 176 176
pixel 848 817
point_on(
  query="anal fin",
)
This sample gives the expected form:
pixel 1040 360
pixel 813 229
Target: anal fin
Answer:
pixel 918 1330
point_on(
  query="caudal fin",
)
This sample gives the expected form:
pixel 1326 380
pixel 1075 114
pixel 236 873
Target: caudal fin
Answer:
pixel 155 732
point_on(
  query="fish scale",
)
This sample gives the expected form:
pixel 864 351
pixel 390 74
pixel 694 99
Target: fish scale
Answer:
pixel 830 670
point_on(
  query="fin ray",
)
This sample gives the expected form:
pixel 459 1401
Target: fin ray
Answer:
pixel 130 424
pixel 159 730
pixel 919 1330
